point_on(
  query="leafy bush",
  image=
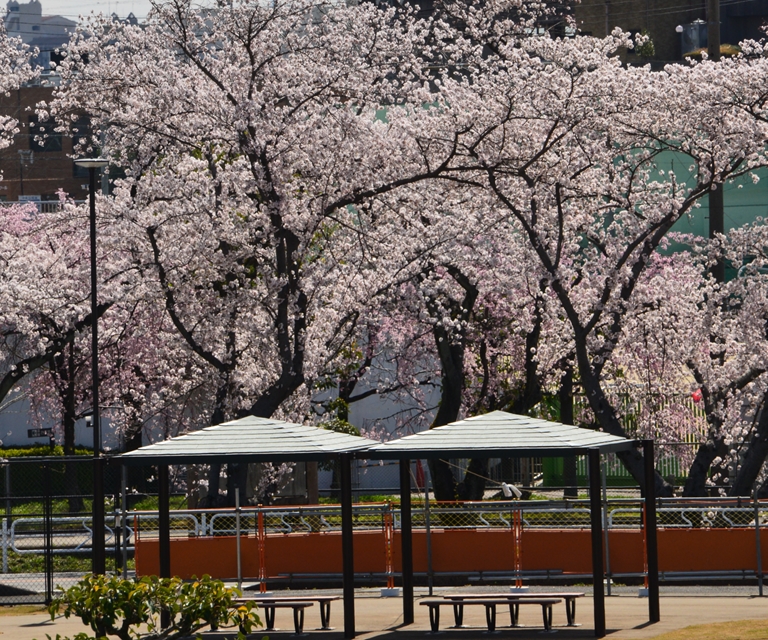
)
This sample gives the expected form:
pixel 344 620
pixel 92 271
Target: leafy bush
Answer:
pixel 130 609
pixel 40 450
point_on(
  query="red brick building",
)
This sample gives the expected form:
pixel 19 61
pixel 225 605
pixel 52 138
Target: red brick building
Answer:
pixel 39 162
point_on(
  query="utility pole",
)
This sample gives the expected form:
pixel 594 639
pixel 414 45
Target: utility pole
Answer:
pixel 716 224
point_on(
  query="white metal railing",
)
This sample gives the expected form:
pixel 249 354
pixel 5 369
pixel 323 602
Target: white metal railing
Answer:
pixel 27 535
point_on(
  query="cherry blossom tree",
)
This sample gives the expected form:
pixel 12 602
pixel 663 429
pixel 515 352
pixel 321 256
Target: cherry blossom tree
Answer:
pixel 300 177
pixel 569 141
pixel 252 138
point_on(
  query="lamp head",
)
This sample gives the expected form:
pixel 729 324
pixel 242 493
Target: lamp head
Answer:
pixel 92 163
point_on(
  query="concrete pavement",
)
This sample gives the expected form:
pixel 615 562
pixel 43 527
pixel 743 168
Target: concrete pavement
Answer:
pixel 381 618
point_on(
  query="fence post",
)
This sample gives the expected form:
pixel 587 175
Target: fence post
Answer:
pixel 237 534
pixel 5 546
pixel 260 536
pixel 347 541
pixel 758 548
pixel 8 509
pixel 124 516
pixel 47 514
pixel 428 527
pixel 388 536
pixel 605 529
pixel 596 521
pixel 406 540
pixel 652 547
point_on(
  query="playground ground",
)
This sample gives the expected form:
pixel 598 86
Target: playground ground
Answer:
pixel 381 618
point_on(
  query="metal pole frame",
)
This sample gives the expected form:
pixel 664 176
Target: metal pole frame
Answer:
pixel 651 541
pixel 124 517
pixel 48 515
pixel 98 541
pixel 164 532
pixel 428 526
pixel 596 518
pixel 406 540
pixel 606 533
pixel 758 546
pixel 347 548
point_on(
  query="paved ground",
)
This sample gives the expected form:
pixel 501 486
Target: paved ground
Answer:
pixel 381 618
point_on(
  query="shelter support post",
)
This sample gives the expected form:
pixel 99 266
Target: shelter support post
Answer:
pixel 406 540
pixel 347 554
pixel 164 531
pixel 651 542
pixel 595 509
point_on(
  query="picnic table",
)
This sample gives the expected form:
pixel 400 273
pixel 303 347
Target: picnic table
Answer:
pixel 490 604
pixel 269 603
pixel 568 596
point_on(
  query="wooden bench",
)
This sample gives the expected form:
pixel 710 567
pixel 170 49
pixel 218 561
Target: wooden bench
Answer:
pixel 490 609
pixel 324 603
pixel 568 596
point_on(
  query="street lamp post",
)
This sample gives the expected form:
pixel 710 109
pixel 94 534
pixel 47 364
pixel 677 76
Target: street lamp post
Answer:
pixel 98 544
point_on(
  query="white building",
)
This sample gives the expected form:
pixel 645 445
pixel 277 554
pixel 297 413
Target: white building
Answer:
pixel 46 33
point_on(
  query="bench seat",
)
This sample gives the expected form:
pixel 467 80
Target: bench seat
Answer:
pixel 490 605
pixel 568 596
pixel 324 603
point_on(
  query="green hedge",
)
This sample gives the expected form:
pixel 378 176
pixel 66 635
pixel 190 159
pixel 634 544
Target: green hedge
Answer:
pixel 39 450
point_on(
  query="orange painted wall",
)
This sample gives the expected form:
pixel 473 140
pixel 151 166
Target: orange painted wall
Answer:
pixel 457 550
pixel 716 549
pixel 288 553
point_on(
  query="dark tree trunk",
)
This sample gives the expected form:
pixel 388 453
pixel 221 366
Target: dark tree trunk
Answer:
pixel 473 485
pixel 64 374
pixel 699 471
pixel 450 350
pixel 753 459
pixel 607 419
pixel 237 476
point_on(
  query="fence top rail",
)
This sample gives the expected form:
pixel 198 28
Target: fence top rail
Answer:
pixel 714 501
pixel 267 511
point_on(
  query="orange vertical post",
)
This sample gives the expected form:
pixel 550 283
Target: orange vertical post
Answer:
pixel 388 535
pixel 517 525
pixel 261 538
pixel 645 548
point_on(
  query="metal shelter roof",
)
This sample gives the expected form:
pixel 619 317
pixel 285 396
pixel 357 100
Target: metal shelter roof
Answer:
pixel 500 434
pixel 249 439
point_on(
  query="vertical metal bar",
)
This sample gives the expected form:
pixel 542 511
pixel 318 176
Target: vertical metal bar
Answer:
pixel 652 547
pixel 164 532
pixel 8 515
pixel 604 469
pixel 98 543
pixel 261 536
pixel 347 550
pixel 758 548
pixel 5 546
pixel 124 516
pixel 428 525
pixel 8 508
pixel 406 540
pixel 164 520
pixel 237 534
pixel 596 519
pixel 48 508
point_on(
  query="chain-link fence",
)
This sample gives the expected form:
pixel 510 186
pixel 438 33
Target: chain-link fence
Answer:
pixel 46 534
pixel 490 540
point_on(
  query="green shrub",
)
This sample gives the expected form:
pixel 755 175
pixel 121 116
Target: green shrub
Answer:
pixel 40 450
pixel 130 609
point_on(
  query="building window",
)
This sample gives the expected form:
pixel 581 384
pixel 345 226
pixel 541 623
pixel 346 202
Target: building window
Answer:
pixel 43 136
